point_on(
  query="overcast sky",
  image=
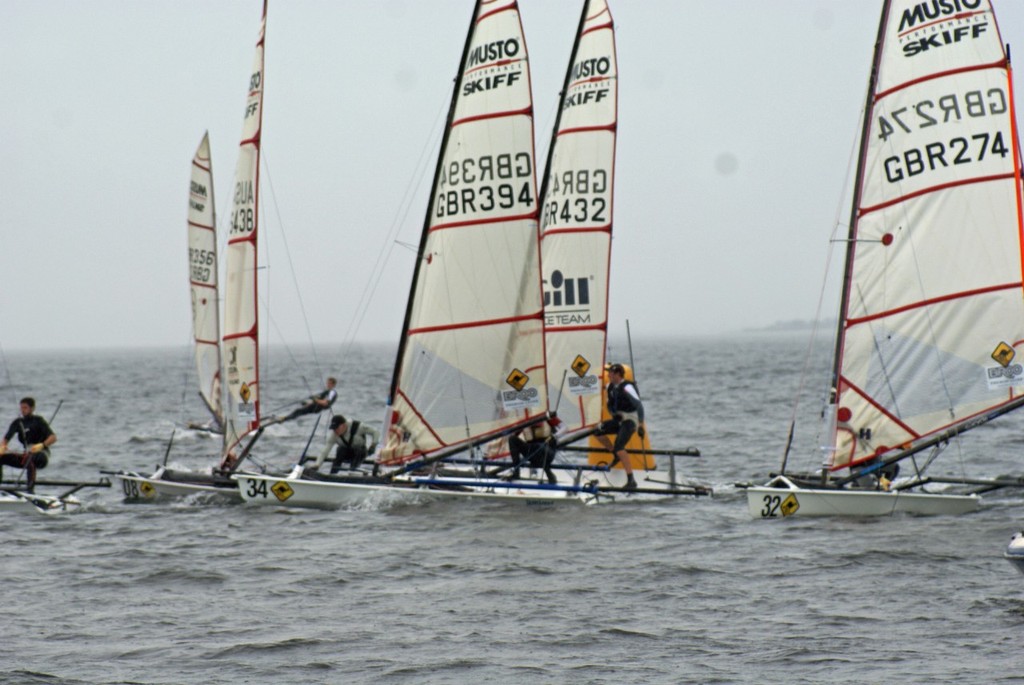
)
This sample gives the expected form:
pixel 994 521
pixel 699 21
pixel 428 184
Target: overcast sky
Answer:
pixel 737 120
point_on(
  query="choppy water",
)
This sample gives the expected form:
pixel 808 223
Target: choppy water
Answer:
pixel 688 591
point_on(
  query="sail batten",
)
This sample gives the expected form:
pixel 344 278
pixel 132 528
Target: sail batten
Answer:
pixel 932 317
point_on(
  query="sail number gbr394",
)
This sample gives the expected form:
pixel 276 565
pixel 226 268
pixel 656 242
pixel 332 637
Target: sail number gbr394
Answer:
pixel 485 184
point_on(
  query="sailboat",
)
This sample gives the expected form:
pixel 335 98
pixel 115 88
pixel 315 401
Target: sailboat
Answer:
pixel 1015 552
pixel 470 367
pixel 576 231
pixel 241 418
pixel 488 347
pixel 203 289
pixel 932 308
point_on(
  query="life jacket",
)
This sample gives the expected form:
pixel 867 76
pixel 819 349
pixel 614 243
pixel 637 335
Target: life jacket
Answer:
pixel 348 444
pixel 621 402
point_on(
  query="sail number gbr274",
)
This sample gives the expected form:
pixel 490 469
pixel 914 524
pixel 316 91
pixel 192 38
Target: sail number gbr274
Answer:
pixel 961 148
pixel 485 184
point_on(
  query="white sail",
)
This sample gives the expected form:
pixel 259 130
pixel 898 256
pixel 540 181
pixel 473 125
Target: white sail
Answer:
pixel 202 258
pixel 932 313
pixel 576 221
pixel 241 350
pixel 471 358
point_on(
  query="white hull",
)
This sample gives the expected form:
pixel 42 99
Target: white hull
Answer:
pixel 139 488
pixel 782 499
pixel 522 492
pixel 1015 552
pixel 37 504
pixel 297 492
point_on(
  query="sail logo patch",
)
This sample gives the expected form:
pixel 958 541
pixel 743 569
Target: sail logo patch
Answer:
pixel 521 397
pixel 947 36
pixel 1007 374
pixel 583 383
pixel 580 365
pixel 789 506
pixel 566 300
pixel 282 491
pixel 517 379
pixel 1003 354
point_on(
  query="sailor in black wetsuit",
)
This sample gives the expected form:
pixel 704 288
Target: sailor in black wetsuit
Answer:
pixel 627 418
pixel 317 403
pixel 35 435
pixel 535 445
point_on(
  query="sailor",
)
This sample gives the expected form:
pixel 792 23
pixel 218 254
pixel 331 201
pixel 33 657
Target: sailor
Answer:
pixel 627 418
pixel 351 442
pixel 35 435
pixel 315 404
pixel 536 445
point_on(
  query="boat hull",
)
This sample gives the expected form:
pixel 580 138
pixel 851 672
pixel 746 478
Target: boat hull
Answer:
pixel 36 504
pixel 1015 552
pixel 139 488
pixel 297 492
pixel 784 500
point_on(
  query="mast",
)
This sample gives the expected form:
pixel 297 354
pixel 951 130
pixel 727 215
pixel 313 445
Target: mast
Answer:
pixel 851 235
pixel 203 286
pixel 241 321
pixel 576 220
pixel 421 251
pixel 470 360
pixel 932 309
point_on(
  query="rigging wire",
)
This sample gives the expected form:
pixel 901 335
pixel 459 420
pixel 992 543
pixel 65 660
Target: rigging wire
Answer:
pixel 390 239
pixel 291 264
pixel 837 223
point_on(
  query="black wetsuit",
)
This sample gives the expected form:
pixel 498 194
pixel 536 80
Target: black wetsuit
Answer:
pixel 311 407
pixel 537 452
pixel 621 405
pixel 30 430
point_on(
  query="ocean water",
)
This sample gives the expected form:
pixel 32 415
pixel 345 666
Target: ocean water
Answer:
pixel 680 591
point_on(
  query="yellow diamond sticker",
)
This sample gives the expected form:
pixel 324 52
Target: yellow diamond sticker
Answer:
pixel 281 490
pixel 1003 354
pixel 789 505
pixel 517 379
pixel 243 392
pixel 147 489
pixel 580 366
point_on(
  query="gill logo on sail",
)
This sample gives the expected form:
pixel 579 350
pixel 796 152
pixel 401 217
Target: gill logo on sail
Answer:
pixel 561 294
pixel 521 396
pixel 1007 373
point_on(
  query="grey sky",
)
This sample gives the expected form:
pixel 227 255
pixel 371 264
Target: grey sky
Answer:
pixel 736 123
